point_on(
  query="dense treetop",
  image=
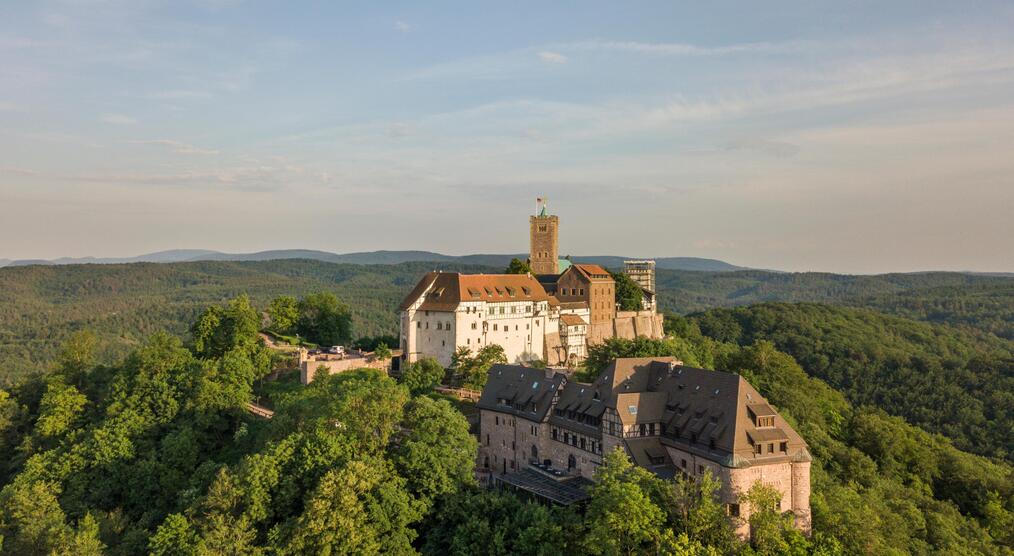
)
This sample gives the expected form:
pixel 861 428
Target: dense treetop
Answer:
pixel 960 384
pixel 155 454
pixel 40 306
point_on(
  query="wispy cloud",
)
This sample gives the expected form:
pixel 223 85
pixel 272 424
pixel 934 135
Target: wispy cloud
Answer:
pixel 552 57
pixel 117 119
pixel 178 94
pixel 17 171
pixel 402 26
pixel 399 130
pixel 686 49
pixel 177 146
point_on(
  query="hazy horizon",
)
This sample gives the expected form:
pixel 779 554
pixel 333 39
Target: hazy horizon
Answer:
pixel 860 138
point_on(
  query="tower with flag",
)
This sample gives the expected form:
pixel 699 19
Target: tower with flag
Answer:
pixel 544 252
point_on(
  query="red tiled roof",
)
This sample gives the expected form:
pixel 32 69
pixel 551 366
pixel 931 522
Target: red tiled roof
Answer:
pixel 451 288
pixel 594 272
pixel 572 320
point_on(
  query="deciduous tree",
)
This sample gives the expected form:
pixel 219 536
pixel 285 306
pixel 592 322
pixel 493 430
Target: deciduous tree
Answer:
pixel 621 517
pixel 423 375
pixel 283 312
pixel 324 320
pixel 517 266
pixel 436 453
pixel 629 294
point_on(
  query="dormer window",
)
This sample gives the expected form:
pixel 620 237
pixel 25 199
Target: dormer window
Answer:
pixel 767 421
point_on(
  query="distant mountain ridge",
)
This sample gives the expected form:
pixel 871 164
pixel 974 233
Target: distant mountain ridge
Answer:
pixel 371 257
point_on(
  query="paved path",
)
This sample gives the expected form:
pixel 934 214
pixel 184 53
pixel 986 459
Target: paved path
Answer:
pixel 271 343
pixel 260 410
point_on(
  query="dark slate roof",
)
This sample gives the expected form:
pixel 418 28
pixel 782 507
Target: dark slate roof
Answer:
pixel 524 388
pixel 649 453
pixel 711 413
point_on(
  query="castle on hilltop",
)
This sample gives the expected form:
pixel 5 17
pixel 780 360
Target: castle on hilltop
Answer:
pixel 551 314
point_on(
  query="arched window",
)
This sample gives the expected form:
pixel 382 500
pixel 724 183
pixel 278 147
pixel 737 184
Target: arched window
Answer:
pixel 571 462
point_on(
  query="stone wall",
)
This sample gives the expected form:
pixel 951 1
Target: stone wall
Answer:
pixel 791 479
pixel 309 368
pixel 628 325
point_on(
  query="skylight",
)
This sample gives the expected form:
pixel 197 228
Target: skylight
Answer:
pixel 632 409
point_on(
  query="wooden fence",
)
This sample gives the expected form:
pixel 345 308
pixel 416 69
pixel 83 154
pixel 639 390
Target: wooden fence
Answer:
pixel 461 393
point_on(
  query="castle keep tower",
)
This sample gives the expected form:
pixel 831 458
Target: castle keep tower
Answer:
pixel 544 253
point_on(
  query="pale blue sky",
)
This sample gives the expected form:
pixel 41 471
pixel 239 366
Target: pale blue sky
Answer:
pixel 839 136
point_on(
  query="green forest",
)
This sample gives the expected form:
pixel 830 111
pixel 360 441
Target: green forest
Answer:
pixel 123 427
pixel 155 454
pixel 41 306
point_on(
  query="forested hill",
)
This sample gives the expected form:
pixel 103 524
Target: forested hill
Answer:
pixel 124 303
pixel 972 300
pixel 155 454
pixel 955 383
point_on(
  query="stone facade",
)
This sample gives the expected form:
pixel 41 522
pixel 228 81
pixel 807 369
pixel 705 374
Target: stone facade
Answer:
pixel 591 285
pixel 668 418
pixel 544 254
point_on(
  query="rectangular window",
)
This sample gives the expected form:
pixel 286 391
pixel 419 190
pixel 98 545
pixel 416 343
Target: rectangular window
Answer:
pixel 418 324
pixel 784 447
pixel 758 449
pixel 733 510
pixel 771 448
